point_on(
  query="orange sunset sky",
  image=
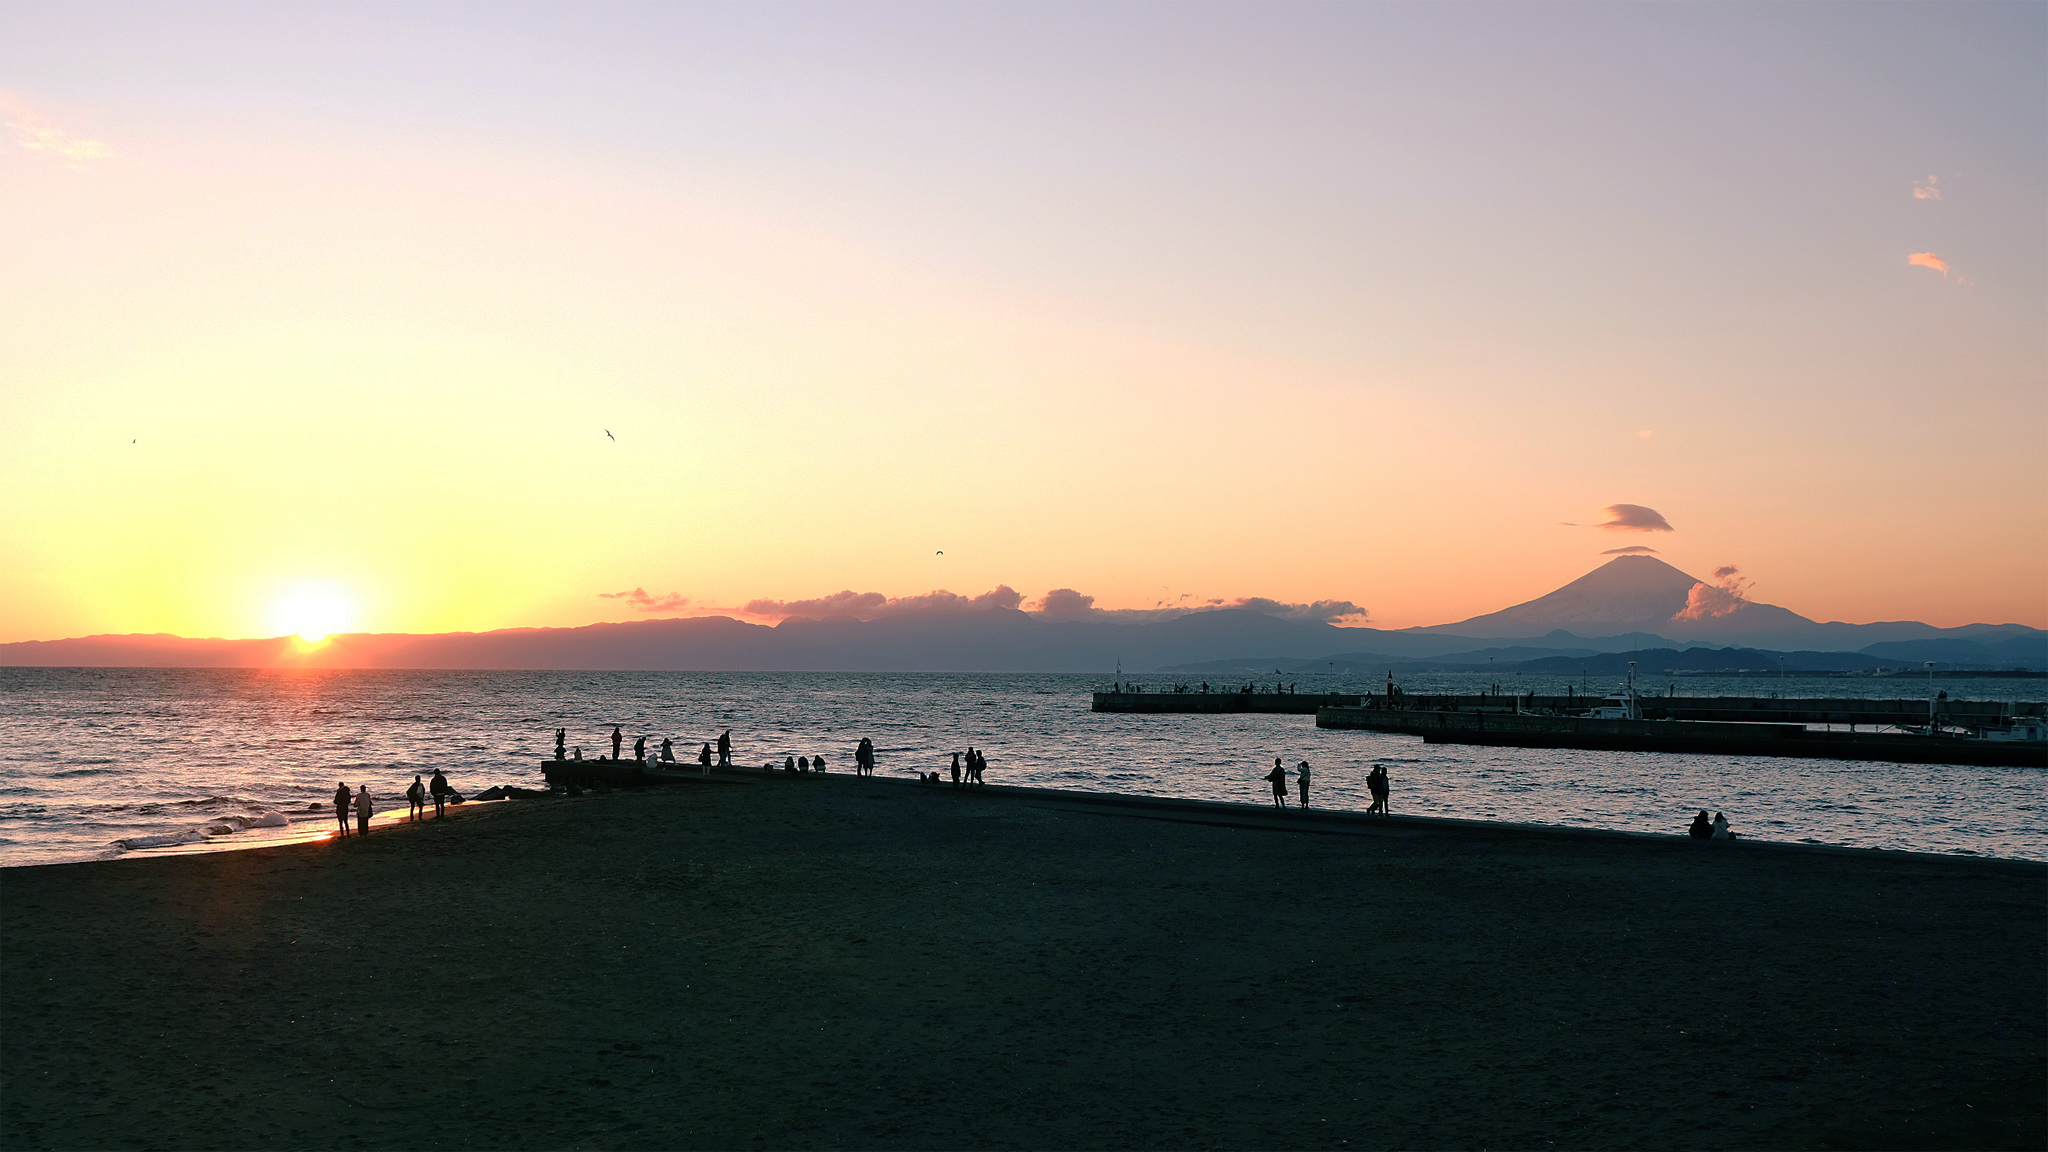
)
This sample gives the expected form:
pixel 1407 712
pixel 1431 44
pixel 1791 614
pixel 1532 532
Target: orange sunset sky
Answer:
pixel 319 316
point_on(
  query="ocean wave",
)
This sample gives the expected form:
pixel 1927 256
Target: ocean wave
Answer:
pixel 219 826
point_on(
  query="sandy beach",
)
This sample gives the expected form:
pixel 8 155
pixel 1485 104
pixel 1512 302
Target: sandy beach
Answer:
pixel 830 963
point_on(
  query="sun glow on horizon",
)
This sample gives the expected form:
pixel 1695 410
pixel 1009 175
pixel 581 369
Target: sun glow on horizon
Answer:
pixel 313 612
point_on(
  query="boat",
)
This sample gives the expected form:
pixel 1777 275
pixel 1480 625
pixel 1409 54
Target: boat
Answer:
pixel 1620 704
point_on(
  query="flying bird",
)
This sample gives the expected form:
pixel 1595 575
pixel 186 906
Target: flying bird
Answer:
pixel 608 435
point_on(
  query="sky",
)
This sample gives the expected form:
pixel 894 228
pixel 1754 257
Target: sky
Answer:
pixel 420 318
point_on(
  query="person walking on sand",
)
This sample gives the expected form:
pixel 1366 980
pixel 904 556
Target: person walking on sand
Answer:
pixel 341 806
pixel 438 787
pixel 415 800
pixel 1302 774
pixel 618 738
pixel 1376 783
pixel 1278 778
pixel 725 748
pixel 363 811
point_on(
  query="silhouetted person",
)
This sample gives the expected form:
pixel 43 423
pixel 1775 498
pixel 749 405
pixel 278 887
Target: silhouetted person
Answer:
pixel 416 799
pixel 363 811
pixel 956 767
pixel 725 748
pixel 803 765
pixel 1278 779
pixel 438 788
pixel 561 741
pixel 1376 783
pixel 640 750
pixel 1721 831
pixel 1302 774
pixel 1702 828
pixel 817 763
pixel 1205 687
pixel 975 763
pixel 864 757
pixel 341 799
pixel 704 757
pixel 618 738
pixel 789 765
pixel 668 751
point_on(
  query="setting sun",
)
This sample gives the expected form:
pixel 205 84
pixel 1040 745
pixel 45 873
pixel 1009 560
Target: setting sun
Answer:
pixel 314 613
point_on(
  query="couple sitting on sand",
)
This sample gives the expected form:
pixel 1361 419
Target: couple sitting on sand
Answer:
pixel 1717 829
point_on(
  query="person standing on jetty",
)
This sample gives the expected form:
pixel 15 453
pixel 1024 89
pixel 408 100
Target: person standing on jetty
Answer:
pixel 1278 778
pixel 438 786
pixel 618 737
pixel 341 806
pixel 363 811
pixel 1302 773
pixel 416 799
pixel 725 748
pixel 1376 783
pixel 561 743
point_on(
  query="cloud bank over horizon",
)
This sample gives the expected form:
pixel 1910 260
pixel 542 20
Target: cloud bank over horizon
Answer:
pixel 1057 606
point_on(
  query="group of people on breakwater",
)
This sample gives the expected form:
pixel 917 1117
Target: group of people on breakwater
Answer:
pixel 1376 782
pixel 665 754
pixel 1248 690
pixel 364 805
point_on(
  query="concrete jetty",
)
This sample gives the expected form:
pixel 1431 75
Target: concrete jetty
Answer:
pixel 1534 729
pixel 1278 703
pixel 1741 709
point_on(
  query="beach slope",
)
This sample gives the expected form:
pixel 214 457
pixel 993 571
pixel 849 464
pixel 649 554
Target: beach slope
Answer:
pixel 831 963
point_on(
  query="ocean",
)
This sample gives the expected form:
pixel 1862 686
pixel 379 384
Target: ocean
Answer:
pixel 100 755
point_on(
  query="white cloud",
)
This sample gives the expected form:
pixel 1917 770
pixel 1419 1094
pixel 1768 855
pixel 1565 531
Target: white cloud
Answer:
pixel 32 132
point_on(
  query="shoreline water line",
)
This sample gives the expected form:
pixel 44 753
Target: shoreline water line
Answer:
pixel 1222 814
pixel 89 759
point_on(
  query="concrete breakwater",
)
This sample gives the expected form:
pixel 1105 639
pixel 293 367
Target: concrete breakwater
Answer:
pixel 1527 730
pixel 1277 703
pixel 1765 709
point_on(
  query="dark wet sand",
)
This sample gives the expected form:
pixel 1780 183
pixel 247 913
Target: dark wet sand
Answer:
pixel 804 963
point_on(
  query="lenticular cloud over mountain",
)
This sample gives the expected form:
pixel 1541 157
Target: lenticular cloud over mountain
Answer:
pixel 1629 518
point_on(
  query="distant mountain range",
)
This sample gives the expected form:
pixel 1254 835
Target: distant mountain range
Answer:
pixel 1627 607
